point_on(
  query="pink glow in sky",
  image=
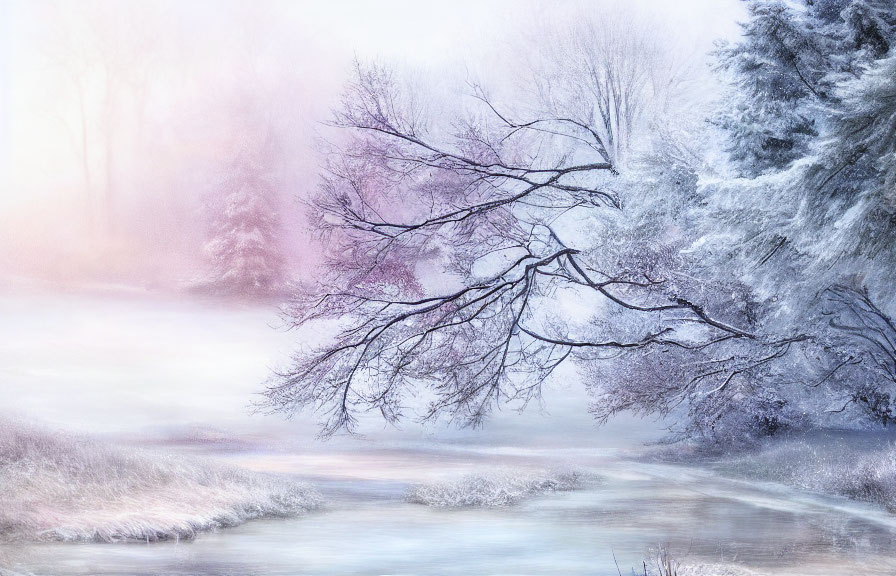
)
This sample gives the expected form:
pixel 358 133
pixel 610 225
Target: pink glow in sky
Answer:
pixel 115 115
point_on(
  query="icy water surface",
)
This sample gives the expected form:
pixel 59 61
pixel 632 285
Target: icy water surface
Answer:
pixel 368 526
pixel 114 366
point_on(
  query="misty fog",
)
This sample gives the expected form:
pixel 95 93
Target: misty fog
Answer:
pixel 119 118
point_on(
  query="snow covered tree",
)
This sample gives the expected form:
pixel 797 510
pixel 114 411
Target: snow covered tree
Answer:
pixel 473 250
pixel 827 217
pixel 813 236
pixel 603 73
pixel 519 212
pixel 869 26
pixel 864 339
pixel 786 69
pixel 244 247
pixel 778 70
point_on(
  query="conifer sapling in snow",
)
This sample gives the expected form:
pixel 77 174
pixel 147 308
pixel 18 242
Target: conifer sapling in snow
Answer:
pixel 244 248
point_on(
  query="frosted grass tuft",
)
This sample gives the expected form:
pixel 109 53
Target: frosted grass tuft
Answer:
pixel 834 466
pixel 60 487
pixel 501 488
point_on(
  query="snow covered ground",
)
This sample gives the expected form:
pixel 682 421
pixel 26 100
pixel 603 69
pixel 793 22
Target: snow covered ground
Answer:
pixel 177 378
pixel 70 488
pixel 148 366
pixel 853 464
pixel 367 525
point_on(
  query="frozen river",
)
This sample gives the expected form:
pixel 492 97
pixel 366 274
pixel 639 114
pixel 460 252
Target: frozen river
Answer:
pixel 368 527
pixel 132 367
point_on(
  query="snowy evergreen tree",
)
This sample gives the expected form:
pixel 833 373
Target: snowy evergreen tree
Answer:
pixel 861 149
pixel 786 72
pixel 828 216
pixel 814 234
pixel 869 26
pixel 245 246
pixel 824 215
pixel 777 70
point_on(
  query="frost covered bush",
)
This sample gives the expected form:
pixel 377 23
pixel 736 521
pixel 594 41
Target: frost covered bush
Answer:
pixel 661 562
pixel 840 467
pixel 873 479
pixel 712 570
pixel 56 487
pixel 492 490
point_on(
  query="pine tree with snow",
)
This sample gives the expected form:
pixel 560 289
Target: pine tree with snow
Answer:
pixel 245 247
pixel 815 225
pixel 869 25
pixel 777 70
pixel 787 70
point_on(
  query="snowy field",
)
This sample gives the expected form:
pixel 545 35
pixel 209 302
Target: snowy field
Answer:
pixel 372 522
pixel 132 363
pixel 509 499
pixel 120 361
pixel 69 488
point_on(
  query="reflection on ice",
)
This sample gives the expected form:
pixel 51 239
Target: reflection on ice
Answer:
pixel 366 524
pixel 371 529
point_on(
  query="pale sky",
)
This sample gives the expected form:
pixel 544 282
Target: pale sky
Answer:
pixel 193 49
pixel 322 37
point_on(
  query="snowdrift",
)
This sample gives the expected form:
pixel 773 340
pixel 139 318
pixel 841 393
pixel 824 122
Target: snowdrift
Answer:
pixel 503 488
pixel 59 487
pixel 854 466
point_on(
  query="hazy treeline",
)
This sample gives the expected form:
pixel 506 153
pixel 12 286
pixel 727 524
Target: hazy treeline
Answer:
pixel 130 117
pixel 128 120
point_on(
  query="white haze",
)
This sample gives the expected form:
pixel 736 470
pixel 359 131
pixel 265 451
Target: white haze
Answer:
pixel 155 94
pixel 186 81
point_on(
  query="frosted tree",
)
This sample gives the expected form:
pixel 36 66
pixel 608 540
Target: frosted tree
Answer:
pixel 813 235
pixel 103 53
pixel 520 213
pixel 473 250
pixel 604 73
pixel 777 69
pixel 864 337
pixel 245 246
pixel 829 216
pixel 869 26
pixel 786 71
pixel 855 181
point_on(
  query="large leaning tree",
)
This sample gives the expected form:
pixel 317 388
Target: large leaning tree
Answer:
pixel 474 249
pixel 469 255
